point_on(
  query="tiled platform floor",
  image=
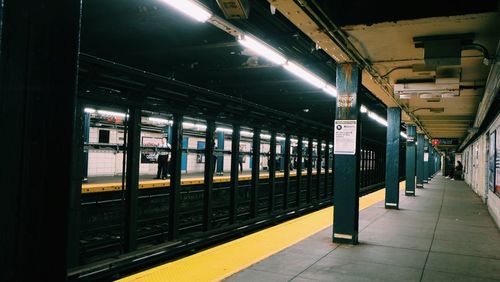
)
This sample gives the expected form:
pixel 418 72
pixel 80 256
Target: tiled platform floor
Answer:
pixel 444 233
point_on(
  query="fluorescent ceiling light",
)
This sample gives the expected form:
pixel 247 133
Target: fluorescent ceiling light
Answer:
pixel 294 140
pixel 201 127
pixel 159 120
pixel 363 109
pixel 377 118
pixel 403 135
pixel 191 8
pixel 306 75
pixel 280 138
pixel 110 113
pixel 246 133
pixel 265 136
pixel 89 110
pixel 262 49
pixel 187 125
pixel 223 129
pixel 330 90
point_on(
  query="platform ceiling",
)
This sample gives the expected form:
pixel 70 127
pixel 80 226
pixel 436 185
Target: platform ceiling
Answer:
pixel 149 35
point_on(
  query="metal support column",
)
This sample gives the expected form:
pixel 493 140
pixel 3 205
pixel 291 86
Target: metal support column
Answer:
pixel 38 71
pixel 286 180
pixel 220 153
pixel 431 161
pixel 392 158
pixel 426 160
pixel 309 170
pixel 132 174
pixel 86 138
pixel 420 160
pixel 233 184
pixel 282 158
pixel 346 159
pixel 208 175
pixel 298 170
pixel 318 170
pixel 175 178
pixel 272 171
pixel 327 168
pixel 254 191
pixel 411 131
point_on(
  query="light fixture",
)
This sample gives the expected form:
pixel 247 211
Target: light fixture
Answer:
pixel 159 120
pixel 200 127
pixel 363 109
pixel 306 75
pixel 190 8
pixel 377 118
pixel 246 133
pixel 110 113
pixel 403 135
pixel 280 138
pixel 330 90
pixel 262 49
pixel 265 136
pixel 187 125
pixel 223 129
pixel 89 110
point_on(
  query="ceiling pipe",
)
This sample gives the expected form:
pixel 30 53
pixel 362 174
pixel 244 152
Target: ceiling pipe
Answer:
pixel 338 36
pixel 480 48
pixel 490 92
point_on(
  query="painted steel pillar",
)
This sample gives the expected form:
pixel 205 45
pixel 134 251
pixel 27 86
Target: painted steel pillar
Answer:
pixel 298 170
pixel 254 192
pixel 411 131
pixel 220 153
pixel 346 155
pixel 426 160
pixel 272 171
pixel 392 158
pixel 420 160
pixel 282 158
pixel 233 184
pixel 38 85
pixel 86 139
pixel 431 162
pixel 208 175
pixel 175 178
pixel 286 180
pixel 132 174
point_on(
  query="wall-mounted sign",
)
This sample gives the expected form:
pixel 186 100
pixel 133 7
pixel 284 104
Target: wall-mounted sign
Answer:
pixel 444 141
pixel 344 141
pixel 426 157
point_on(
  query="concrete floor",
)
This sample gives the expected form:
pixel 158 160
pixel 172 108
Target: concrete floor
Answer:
pixel 444 233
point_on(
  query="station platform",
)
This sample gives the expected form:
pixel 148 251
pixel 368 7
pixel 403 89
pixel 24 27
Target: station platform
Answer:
pixel 444 233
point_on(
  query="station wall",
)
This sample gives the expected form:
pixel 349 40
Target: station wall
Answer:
pixel 482 168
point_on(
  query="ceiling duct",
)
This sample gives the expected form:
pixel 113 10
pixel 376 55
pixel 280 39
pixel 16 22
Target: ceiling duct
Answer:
pixel 443 50
pixel 235 9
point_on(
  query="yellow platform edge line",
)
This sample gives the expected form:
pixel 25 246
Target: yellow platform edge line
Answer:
pixel 222 261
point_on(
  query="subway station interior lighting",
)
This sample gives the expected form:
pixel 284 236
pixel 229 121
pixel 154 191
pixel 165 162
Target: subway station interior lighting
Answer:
pixel 89 110
pixel 159 120
pixel 304 74
pixel 190 8
pixel 403 135
pixel 265 136
pixel 330 90
pixel 377 118
pixel 224 129
pixel 262 49
pixel 110 113
pixel 280 138
pixel 363 109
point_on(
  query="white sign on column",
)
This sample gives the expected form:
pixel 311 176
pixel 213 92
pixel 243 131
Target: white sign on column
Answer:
pixel 344 141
